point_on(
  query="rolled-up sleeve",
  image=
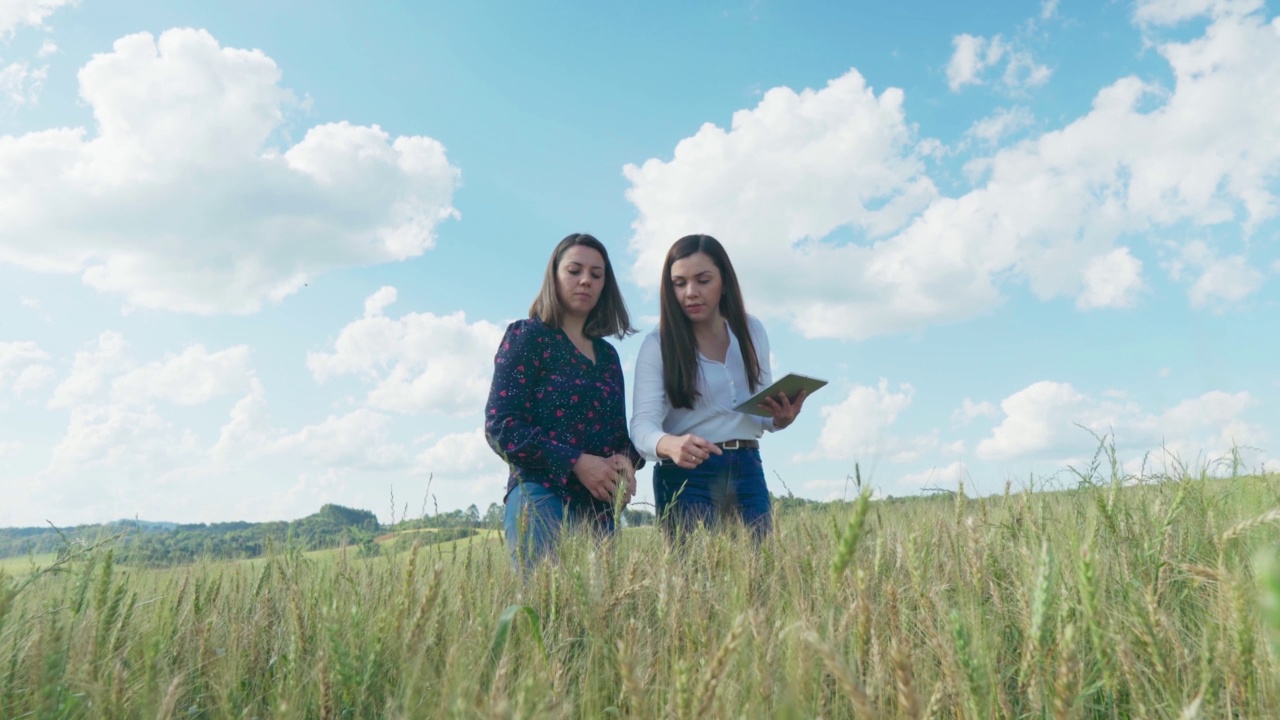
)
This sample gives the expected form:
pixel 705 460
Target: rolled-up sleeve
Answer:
pixel 649 401
pixel 509 424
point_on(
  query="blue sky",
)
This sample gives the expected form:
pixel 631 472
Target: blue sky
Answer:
pixel 255 258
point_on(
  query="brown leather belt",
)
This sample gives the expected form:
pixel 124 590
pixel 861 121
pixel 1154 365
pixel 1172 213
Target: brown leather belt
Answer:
pixel 739 445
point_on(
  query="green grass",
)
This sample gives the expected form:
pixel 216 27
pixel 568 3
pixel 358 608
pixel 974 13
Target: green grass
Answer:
pixel 1107 602
pixel 387 542
pixel 21 565
pixel 395 534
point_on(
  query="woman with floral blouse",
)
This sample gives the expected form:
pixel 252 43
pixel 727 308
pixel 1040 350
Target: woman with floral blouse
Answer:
pixel 556 411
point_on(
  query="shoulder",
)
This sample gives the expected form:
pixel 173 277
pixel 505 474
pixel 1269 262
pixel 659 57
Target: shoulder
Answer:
pixel 755 327
pixel 649 356
pixel 652 343
pixel 610 350
pixel 521 333
pixel 527 325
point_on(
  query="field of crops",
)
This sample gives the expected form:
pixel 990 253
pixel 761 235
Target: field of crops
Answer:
pixel 1118 599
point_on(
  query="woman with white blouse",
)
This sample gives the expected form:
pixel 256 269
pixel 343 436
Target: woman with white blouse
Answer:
pixel 706 357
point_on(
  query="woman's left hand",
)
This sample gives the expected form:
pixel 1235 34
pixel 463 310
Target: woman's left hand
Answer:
pixel 783 409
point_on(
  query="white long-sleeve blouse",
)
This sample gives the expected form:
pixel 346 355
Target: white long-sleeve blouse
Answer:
pixel 721 386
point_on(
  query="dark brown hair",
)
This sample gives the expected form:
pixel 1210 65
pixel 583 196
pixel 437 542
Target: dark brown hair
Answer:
pixel 608 317
pixel 679 347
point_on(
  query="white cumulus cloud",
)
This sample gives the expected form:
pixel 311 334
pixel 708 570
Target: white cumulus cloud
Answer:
pixel 121 452
pixel 191 377
pixel 859 424
pixel 973 55
pixel 787 174
pixel 1052 421
pixel 113 462
pixel 460 454
pixel 1214 280
pixel 16 13
pixel 1024 72
pixel 182 198
pixel 420 362
pixel 1001 124
pixel 105 372
pixel 834 489
pixel 142 439
pixel 92 368
pixel 248 432
pixel 358 439
pixel 121 436
pixel 1112 279
pixel 1172 12
pixel 826 208
pixel 947 477
pixel 23 367
pixel 1036 419
pixel 20 84
pixel 970 411
pixel 970 56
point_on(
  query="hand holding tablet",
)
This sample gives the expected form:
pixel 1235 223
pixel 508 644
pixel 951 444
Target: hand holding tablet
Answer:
pixel 791 385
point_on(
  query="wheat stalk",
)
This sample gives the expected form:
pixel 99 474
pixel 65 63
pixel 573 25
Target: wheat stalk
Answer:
pixel 711 681
pixel 170 699
pixel 1244 527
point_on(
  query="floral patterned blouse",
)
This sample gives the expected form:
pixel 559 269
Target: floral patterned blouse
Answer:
pixel 549 404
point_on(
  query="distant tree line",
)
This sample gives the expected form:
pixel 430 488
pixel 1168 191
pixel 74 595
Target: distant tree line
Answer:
pixel 469 518
pixel 493 518
pixel 169 544
pixel 406 540
pixel 332 526
pixel 157 543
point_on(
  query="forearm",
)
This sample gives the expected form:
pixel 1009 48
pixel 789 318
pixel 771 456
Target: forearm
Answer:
pixel 646 436
pixel 667 447
pixel 649 401
pixel 528 448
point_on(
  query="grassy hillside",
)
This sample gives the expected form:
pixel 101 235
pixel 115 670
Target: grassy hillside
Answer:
pixel 159 544
pixel 23 564
pixel 1159 600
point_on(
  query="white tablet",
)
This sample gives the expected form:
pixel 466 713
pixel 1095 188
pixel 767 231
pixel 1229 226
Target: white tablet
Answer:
pixel 792 384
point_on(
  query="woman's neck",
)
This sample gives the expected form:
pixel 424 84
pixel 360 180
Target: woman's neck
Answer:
pixel 574 326
pixel 713 328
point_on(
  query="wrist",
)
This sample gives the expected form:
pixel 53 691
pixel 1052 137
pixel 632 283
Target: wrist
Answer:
pixel 577 465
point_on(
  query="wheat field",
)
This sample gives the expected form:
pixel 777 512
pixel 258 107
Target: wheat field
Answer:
pixel 1153 597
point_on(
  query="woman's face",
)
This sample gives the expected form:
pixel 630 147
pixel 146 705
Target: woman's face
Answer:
pixel 697 284
pixel 580 279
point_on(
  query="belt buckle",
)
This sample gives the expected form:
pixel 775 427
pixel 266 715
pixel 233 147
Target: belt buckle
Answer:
pixel 731 444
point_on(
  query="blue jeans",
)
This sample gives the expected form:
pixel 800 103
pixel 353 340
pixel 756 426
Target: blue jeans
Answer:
pixel 730 485
pixel 535 520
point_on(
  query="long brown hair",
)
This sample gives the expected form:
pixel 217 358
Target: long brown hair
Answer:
pixel 679 347
pixel 608 317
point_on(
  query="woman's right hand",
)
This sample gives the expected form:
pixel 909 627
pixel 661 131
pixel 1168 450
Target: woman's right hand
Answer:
pixel 687 451
pixel 626 474
pixel 598 475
